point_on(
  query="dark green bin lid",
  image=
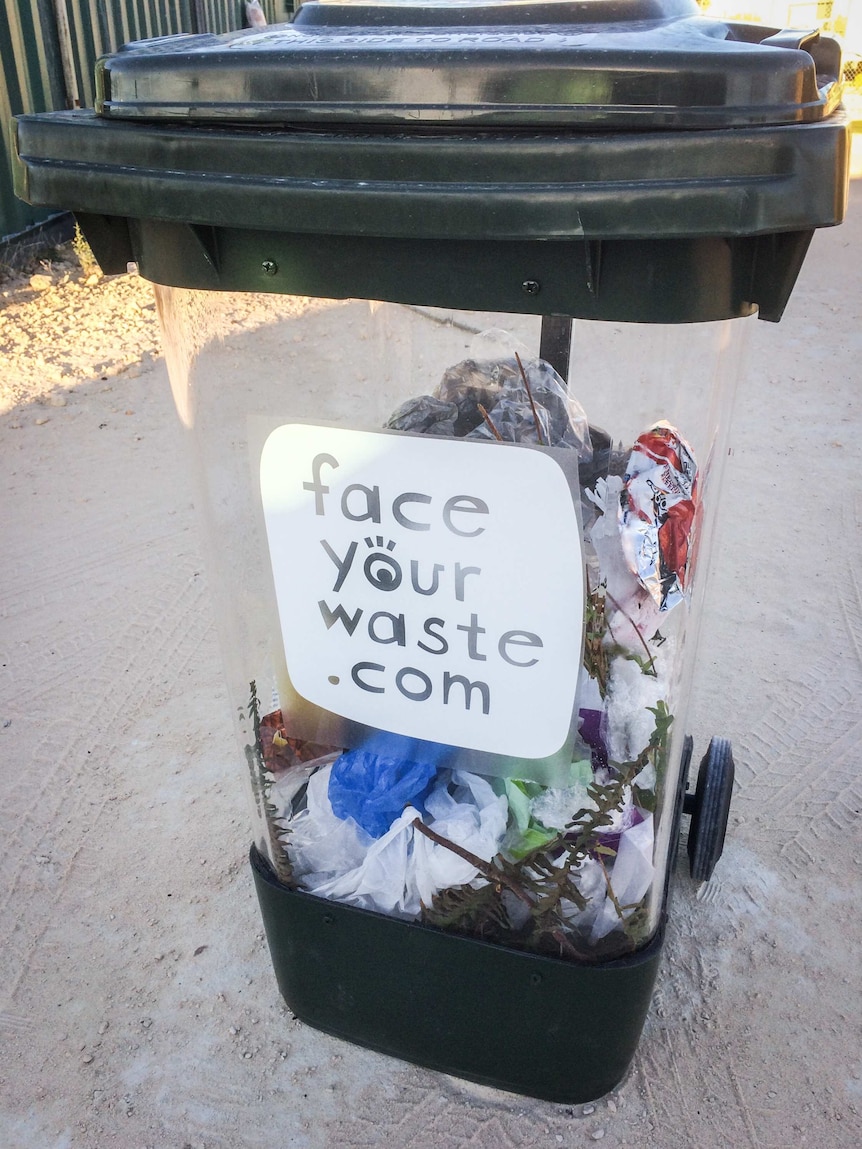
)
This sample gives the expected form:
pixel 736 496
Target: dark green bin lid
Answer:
pixel 559 63
pixel 607 159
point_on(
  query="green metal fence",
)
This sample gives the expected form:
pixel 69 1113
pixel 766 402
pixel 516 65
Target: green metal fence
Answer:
pixel 48 51
pixel 31 78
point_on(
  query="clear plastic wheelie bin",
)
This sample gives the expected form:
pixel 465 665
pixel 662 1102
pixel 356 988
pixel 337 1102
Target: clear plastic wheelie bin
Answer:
pixel 453 299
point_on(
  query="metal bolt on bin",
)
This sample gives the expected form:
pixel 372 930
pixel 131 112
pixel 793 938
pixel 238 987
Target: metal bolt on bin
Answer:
pixel 453 298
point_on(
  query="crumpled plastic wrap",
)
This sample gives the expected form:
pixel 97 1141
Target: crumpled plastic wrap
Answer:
pixel 555 808
pixel 553 418
pixel 657 512
pixel 425 415
pixel 401 870
pixel 629 721
pixel 475 382
pixel 630 610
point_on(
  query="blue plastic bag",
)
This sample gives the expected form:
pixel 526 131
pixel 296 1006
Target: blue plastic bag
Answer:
pixel 373 783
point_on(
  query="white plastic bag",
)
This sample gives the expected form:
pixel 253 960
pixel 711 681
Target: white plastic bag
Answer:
pixel 402 870
pixel 630 878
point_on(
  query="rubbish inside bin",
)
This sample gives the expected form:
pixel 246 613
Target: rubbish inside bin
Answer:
pixel 657 513
pixel 562 869
pixel 402 870
pixel 505 399
pixel 375 782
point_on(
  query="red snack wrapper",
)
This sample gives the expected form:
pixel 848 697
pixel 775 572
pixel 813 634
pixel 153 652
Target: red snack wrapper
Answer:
pixel 657 512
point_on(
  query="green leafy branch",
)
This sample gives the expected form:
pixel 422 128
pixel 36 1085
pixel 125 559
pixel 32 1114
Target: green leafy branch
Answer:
pixel 544 880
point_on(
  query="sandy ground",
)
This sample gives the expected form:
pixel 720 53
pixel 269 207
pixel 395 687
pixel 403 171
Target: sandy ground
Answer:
pixel 137 1003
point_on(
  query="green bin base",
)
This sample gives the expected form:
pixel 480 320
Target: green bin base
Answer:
pixel 548 1028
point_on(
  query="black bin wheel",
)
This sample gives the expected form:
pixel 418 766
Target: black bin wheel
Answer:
pixel 709 807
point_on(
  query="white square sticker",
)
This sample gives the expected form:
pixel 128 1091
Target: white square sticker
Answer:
pixel 433 588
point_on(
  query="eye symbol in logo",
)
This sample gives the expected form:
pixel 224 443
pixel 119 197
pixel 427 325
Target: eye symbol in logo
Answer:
pixel 381 570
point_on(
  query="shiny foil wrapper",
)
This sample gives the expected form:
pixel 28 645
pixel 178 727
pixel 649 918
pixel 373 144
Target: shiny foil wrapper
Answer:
pixel 658 506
